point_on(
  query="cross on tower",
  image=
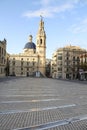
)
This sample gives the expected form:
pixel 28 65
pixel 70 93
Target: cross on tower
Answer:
pixel 41 17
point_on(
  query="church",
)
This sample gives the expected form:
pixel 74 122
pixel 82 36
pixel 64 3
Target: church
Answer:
pixel 32 61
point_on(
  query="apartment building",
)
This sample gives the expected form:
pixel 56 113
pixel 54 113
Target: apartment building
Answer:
pixel 66 62
pixel 83 66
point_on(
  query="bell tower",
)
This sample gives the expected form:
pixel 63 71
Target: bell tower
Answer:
pixel 41 45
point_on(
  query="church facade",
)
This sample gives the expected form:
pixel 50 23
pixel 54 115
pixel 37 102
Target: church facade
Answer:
pixel 31 62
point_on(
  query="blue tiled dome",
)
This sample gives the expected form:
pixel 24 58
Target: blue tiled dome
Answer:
pixel 30 45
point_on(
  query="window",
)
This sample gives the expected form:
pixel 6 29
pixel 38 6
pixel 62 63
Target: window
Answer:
pixel 67 58
pixel 13 63
pixel 13 58
pixel 67 54
pixel 78 59
pixel 74 58
pixel 59 69
pixel 21 73
pixel 21 68
pixel 33 63
pixel 67 69
pixel 59 57
pixel 21 63
pixel 40 41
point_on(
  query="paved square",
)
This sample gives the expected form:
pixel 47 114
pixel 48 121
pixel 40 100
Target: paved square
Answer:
pixel 42 104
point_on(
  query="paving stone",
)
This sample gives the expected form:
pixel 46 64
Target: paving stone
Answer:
pixel 35 103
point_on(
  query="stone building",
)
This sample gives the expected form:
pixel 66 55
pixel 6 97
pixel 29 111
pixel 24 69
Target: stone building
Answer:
pixel 83 61
pixel 83 66
pixel 31 62
pixel 66 62
pixel 3 57
pixel 48 68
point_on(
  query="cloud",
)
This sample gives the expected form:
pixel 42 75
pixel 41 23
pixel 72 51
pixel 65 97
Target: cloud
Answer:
pixel 84 21
pixel 45 2
pixel 80 27
pixel 49 2
pixel 48 8
pixel 37 13
pixel 76 1
pixel 49 11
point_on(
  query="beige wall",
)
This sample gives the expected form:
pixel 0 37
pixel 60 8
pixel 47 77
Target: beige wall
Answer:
pixel 66 62
pixel 22 64
pixel 2 57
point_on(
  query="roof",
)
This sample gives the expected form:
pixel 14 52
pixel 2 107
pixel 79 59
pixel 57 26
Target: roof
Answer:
pixel 30 45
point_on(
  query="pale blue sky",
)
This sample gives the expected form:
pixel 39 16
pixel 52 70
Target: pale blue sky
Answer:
pixel 65 23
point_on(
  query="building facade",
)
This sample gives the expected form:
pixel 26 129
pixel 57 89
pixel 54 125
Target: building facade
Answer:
pixel 66 62
pixel 31 62
pixel 83 66
pixel 3 58
pixel 48 68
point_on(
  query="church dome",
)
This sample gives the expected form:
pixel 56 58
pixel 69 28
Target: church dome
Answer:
pixel 30 44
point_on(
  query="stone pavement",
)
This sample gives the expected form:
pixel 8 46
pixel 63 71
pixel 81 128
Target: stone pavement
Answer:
pixel 42 104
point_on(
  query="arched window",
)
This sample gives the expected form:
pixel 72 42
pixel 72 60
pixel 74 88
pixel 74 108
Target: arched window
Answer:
pixel 40 41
